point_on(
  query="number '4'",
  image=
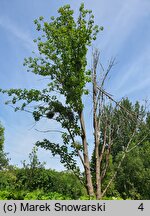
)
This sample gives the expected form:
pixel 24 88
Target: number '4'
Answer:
pixel 141 207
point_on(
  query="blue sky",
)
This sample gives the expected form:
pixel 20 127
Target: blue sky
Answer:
pixel 126 36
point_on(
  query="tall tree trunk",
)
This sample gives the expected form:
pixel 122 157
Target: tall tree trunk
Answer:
pixel 89 184
pixel 97 157
pixel 98 178
pixel 96 126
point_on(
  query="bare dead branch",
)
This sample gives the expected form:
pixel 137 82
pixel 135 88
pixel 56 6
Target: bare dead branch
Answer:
pixel 19 109
pixel 132 115
pixel 103 147
pixel 47 131
pixel 137 144
pixel 111 64
pixel 107 155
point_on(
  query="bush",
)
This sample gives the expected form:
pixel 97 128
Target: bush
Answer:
pixel 7 179
pixel 12 195
pixel 34 195
pixel 64 183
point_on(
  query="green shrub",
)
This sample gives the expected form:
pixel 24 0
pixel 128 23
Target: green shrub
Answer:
pixel 40 195
pixel 112 198
pixel 34 195
pixel 64 183
pixel 7 179
pixel 54 196
pixel 12 195
pixel 20 183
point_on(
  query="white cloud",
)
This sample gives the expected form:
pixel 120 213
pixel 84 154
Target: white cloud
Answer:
pixel 136 88
pixel 122 23
pixel 19 33
pixel 134 76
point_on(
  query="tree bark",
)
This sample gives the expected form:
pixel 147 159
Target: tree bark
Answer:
pixel 89 184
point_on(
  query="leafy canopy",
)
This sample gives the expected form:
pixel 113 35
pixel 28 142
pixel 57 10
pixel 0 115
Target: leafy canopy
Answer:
pixel 63 48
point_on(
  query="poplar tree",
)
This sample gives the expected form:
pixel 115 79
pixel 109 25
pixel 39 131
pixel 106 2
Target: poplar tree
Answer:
pixel 63 44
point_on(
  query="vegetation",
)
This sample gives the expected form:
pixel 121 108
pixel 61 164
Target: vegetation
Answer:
pixel 3 156
pixel 120 129
pixel 33 181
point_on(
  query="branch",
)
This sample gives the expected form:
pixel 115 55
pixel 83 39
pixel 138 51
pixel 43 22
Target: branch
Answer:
pixel 137 144
pixel 107 155
pixel 78 152
pixel 20 109
pixel 133 116
pixel 79 155
pixel 106 166
pixel 46 131
pixel 103 147
pixel 111 64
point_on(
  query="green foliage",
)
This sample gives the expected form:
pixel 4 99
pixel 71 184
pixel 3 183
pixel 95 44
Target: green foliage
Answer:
pixel 1 137
pixel 34 177
pixel 66 47
pixel 33 181
pixel 133 177
pixel 7 179
pixel 34 195
pixel 12 195
pixel 45 184
pixel 40 195
pixel 112 198
pixel 65 156
pixel 5 195
pixel 62 46
pixel 34 161
pixel 4 161
pixel 49 180
pixel 86 198
pixel 124 124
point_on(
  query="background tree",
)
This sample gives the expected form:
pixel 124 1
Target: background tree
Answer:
pixel 4 161
pixel 133 177
pixel 1 137
pixel 129 176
